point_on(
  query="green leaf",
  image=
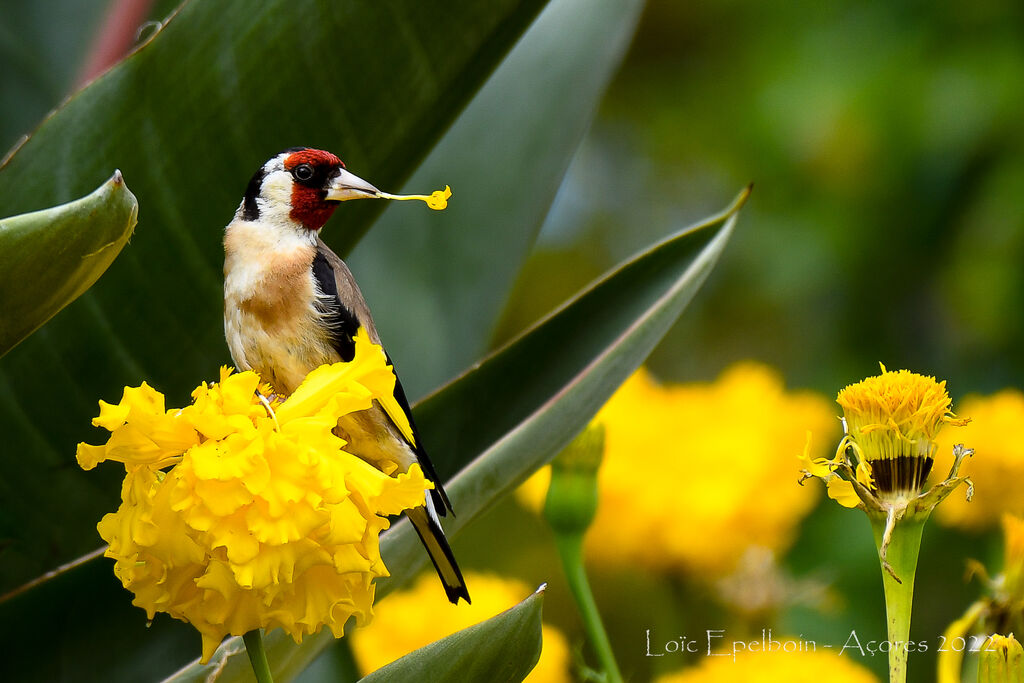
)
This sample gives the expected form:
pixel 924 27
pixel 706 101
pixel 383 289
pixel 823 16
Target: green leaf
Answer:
pixel 505 418
pixel 503 649
pixel 49 258
pixel 504 159
pixel 508 416
pixel 41 56
pixel 189 117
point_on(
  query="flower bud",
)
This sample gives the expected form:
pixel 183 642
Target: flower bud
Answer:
pixel 1001 660
pixel 572 495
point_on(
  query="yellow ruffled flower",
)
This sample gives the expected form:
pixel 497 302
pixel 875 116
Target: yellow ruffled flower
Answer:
pixel 775 667
pixel 694 474
pixel 997 434
pixel 262 520
pixel 416 617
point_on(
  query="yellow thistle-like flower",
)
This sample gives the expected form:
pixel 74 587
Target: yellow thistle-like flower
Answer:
pixel 694 474
pixel 775 667
pixel 997 434
pixel 262 520
pixel 416 617
pixel 892 422
pixel 892 425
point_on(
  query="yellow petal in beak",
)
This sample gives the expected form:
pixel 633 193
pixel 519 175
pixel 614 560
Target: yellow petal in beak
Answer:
pixel 347 186
pixel 437 200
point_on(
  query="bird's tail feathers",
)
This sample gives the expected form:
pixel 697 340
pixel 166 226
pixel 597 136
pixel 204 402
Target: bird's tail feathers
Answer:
pixel 428 526
pixel 437 494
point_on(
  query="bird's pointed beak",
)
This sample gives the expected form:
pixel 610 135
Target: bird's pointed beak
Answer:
pixel 345 186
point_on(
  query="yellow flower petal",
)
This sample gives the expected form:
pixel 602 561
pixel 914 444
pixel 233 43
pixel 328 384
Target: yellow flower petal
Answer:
pixel 818 467
pixel 90 456
pixel 864 474
pixel 842 492
pixel 142 400
pixel 437 200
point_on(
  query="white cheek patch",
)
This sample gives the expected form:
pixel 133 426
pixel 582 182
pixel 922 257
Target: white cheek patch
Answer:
pixel 276 198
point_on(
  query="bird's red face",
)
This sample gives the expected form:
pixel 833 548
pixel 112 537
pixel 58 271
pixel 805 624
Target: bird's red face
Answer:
pixel 311 171
pixel 305 185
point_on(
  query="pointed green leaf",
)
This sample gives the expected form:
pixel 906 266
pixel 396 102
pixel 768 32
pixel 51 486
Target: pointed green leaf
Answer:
pixel 504 159
pixel 515 411
pixel 508 416
pixel 503 649
pixel 48 258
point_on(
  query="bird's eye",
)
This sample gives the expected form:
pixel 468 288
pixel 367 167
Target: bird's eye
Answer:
pixel 303 172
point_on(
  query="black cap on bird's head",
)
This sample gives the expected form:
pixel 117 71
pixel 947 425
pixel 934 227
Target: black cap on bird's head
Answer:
pixel 304 186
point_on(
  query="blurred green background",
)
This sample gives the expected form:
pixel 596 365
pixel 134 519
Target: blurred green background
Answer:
pixel 884 140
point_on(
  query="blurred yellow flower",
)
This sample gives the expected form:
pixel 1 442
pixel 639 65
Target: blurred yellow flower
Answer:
pixel 262 520
pixel 775 667
pixel 694 474
pixel 997 435
pixel 1012 583
pixel 410 619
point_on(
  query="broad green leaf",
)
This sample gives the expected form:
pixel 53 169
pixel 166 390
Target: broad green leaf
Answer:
pixel 189 117
pixel 79 625
pixel 40 56
pixel 511 414
pixel 49 258
pixel 508 416
pixel 504 158
pixel 503 649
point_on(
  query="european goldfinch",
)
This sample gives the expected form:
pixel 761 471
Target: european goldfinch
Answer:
pixel 291 305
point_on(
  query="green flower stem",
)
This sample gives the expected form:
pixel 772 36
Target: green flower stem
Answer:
pixel 258 656
pixel 901 555
pixel 570 549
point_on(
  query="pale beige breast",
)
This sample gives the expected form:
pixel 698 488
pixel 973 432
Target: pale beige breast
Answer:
pixel 271 320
